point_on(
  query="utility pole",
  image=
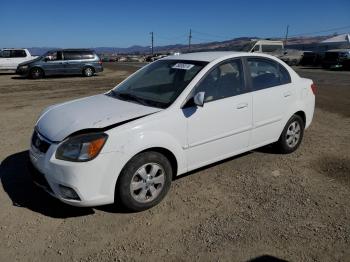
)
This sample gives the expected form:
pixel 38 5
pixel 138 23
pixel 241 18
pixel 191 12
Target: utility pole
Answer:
pixel 189 40
pixel 152 41
pixel 285 40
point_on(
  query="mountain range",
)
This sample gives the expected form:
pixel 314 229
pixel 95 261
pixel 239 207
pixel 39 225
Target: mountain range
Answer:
pixel 232 44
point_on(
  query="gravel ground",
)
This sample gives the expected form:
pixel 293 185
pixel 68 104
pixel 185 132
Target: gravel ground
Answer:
pixel 292 207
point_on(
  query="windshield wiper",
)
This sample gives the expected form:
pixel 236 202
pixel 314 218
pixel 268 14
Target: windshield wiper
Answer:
pixel 130 97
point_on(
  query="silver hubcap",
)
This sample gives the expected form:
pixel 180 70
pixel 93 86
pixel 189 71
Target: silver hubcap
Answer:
pixel 88 71
pixel 36 73
pixel 147 182
pixel 293 134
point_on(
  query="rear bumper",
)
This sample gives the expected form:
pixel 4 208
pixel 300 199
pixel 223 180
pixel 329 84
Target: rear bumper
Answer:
pixel 98 69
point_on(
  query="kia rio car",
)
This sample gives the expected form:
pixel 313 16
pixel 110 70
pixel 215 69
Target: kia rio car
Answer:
pixel 172 116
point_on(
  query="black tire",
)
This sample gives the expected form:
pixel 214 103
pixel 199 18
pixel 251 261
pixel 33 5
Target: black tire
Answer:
pixel 88 71
pixel 36 73
pixel 288 142
pixel 128 196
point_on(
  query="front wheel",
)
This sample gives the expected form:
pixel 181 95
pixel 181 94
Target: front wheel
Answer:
pixel 144 181
pixel 36 73
pixel 292 135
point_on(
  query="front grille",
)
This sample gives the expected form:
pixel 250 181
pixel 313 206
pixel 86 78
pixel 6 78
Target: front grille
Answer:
pixel 39 178
pixel 39 143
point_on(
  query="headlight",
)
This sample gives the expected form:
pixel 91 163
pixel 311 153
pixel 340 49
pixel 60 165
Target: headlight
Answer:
pixel 23 67
pixel 82 147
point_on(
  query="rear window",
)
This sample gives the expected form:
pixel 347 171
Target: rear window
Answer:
pixel 271 48
pixel 78 55
pixel 5 53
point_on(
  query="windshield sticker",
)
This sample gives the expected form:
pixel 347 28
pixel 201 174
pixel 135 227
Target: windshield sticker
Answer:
pixel 183 66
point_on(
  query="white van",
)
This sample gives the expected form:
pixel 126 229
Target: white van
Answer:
pixel 264 46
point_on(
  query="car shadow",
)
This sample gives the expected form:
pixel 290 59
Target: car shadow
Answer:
pixel 266 258
pixel 16 181
pixel 53 77
pixel 7 73
pixel 211 165
pixel 268 149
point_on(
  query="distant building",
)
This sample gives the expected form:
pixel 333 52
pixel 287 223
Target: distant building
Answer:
pixel 336 42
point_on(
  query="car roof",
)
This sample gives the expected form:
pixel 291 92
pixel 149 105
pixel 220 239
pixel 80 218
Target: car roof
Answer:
pixel 71 49
pixel 201 56
pixel 12 48
pixel 211 56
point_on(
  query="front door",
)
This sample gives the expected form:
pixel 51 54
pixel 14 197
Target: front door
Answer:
pixel 54 63
pixel 221 128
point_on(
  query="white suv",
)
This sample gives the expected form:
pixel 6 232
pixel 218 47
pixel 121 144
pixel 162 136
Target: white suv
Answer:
pixel 172 116
pixel 10 58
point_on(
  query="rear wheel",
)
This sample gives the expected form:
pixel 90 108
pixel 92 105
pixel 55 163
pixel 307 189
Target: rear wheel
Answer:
pixel 36 73
pixel 144 181
pixel 88 71
pixel 292 135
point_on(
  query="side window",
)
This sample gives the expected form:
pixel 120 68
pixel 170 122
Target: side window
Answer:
pixel 284 75
pixel 87 55
pixel 18 53
pixel 54 56
pixel 266 73
pixel 225 80
pixel 72 55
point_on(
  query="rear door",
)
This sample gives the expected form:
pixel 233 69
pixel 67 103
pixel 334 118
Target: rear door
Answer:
pixel 222 126
pixel 273 95
pixel 73 62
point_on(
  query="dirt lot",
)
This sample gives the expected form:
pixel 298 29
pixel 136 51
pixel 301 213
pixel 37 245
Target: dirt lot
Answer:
pixel 293 207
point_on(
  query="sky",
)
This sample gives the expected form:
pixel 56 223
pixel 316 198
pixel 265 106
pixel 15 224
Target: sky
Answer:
pixel 76 23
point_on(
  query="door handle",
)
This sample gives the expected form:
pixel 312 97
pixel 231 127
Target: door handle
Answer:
pixel 287 93
pixel 242 105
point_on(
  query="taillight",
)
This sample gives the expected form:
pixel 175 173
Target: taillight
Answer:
pixel 313 88
pixel 100 62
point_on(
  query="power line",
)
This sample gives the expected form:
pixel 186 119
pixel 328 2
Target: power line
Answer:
pixel 171 38
pixel 195 36
pixel 212 35
pixel 322 31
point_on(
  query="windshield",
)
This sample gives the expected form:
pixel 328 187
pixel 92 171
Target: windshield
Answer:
pixel 247 47
pixel 160 83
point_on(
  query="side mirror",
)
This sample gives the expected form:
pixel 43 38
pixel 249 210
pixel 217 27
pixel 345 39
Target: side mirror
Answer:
pixel 198 99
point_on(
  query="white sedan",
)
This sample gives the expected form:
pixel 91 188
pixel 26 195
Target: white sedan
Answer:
pixel 170 117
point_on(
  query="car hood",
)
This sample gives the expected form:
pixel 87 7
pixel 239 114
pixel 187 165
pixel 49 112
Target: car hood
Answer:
pixel 35 59
pixel 100 111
